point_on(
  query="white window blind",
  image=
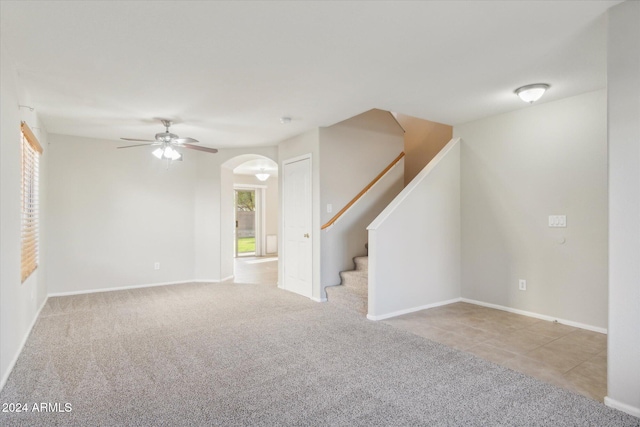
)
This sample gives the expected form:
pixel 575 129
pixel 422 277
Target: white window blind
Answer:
pixel 31 150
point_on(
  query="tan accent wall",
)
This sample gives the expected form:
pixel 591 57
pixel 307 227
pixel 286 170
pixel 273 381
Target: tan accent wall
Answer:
pixel 423 139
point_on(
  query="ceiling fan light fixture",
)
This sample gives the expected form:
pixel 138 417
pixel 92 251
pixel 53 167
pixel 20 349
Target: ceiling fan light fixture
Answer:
pixel 158 152
pixel 167 153
pixel 165 143
pixel 531 93
pixel 171 153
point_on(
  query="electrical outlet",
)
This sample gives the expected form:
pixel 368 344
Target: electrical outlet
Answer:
pixel 557 221
pixel 522 285
pixel 156 266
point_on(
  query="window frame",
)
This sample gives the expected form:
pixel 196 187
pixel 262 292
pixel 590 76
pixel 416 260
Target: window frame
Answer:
pixel 30 151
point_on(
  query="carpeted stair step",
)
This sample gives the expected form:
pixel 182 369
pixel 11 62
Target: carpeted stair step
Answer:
pixel 357 280
pixel 353 291
pixel 362 263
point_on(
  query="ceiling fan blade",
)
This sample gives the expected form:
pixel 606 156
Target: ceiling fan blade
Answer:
pixel 205 149
pixel 140 140
pixel 136 145
pixel 185 140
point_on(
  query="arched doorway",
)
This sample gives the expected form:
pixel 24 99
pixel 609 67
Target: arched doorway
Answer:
pixel 250 205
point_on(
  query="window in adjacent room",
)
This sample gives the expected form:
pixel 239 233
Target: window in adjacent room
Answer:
pixel 31 150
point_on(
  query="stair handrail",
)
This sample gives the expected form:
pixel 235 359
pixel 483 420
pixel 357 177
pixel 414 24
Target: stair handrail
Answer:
pixel 363 192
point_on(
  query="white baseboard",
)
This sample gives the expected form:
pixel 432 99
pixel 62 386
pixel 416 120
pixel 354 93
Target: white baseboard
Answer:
pixel 148 285
pixel 537 316
pixel 631 410
pixel 5 377
pixel 495 306
pixel 318 299
pixel 120 288
pixel 224 279
pixel 411 310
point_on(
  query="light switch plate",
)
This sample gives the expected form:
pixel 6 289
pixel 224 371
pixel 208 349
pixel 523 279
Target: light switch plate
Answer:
pixel 557 220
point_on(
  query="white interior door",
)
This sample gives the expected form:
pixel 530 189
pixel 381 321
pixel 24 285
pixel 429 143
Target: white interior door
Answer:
pixel 297 227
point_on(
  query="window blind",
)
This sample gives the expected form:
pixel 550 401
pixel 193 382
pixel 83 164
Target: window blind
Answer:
pixel 31 150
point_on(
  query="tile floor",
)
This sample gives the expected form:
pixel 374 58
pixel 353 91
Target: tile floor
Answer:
pixel 259 270
pixel 568 357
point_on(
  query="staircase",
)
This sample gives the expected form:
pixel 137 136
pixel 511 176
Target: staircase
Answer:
pixel 352 292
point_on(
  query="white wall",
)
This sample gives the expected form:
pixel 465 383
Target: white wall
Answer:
pixel 117 212
pixel 207 218
pixel 19 302
pixel 306 143
pixel 623 76
pixel 518 168
pixel 352 154
pixel 114 213
pixel 227 223
pixel 414 244
pixel 272 206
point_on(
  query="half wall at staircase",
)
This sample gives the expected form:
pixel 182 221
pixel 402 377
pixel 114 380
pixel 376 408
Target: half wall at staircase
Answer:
pixel 417 267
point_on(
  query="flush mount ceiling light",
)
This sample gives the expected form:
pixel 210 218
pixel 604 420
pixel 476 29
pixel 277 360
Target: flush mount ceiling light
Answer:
pixel 531 93
pixel 262 176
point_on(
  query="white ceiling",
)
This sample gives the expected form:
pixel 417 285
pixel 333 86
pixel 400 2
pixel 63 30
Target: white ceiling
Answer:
pixel 226 72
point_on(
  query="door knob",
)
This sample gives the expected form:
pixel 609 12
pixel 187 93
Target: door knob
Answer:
pixel 306 235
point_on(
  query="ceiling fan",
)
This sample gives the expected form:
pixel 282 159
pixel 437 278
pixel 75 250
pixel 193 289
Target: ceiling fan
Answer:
pixel 167 143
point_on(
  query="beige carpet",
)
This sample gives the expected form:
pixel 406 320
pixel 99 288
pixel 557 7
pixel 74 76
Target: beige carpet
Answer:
pixel 251 355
